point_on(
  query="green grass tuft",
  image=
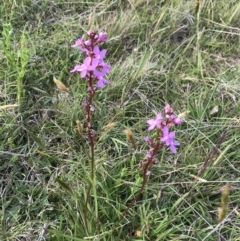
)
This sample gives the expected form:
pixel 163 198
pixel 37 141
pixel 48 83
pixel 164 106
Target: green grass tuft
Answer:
pixel 160 52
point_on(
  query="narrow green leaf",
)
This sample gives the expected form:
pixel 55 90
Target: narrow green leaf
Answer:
pixel 37 140
pixel 64 185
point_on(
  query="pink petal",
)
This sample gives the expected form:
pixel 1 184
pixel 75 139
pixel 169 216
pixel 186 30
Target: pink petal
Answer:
pixel 94 63
pixel 100 83
pixel 96 50
pixel 78 42
pixel 76 68
pixel 103 52
pixel 83 73
pixel 173 149
pixel 87 61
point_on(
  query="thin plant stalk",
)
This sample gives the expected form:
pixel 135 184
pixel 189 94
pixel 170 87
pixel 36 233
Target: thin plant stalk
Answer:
pixel 145 168
pixel 163 137
pixel 93 69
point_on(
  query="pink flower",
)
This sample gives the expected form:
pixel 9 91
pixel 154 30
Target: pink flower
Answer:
pixel 155 122
pixel 99 54
pixel 104 69
pixel 86 66
pixel 79 42
pixel 168 139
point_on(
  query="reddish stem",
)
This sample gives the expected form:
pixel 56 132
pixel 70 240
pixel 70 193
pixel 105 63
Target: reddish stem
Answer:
pixel 91 92
pixel 145 167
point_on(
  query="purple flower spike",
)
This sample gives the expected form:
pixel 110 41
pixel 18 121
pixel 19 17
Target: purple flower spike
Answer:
pixel 93 65
pixel 155 122
pixel 168 138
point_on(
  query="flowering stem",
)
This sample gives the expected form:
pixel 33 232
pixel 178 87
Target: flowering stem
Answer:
pixel 145 167
pixel 91 93
pixel 94 69
pixel 163 137
pixel 92 164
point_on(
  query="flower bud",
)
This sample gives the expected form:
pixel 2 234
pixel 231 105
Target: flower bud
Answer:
pixel 102 36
